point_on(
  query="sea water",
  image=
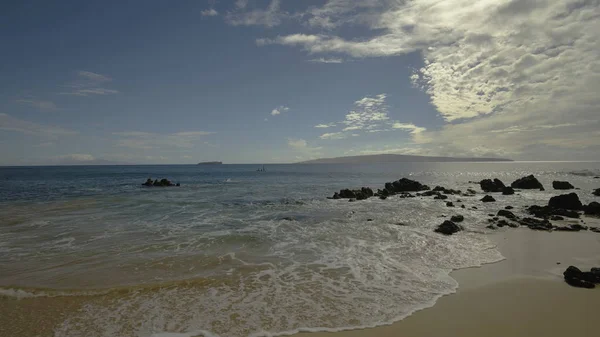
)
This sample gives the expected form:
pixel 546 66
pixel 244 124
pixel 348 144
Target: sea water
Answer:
pixel 240 252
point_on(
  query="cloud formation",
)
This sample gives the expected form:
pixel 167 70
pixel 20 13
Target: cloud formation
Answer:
pixel 88 83
pixel 9 123
pixel 42 105
pixel 209 12
pixel 279 110
pixel 327 60
pixel 488 66
pixel 269 17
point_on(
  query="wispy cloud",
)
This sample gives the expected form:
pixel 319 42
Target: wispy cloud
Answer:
pixel 270 17
pixel 88 83
pixel 327 60
pixel 408 127
pixel 9 123
pixel 153 141
pixel 209 12
pixel 42 105
pixel 302 148
pixel 325 126
pixel 279 110
pixel 333 135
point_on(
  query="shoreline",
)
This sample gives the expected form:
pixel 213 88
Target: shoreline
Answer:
pixel 525 288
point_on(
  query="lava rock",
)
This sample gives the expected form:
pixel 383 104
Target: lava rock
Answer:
pixel 536 224
pixel 596 192
pixel 577 278
pixel 457 218
pixel 508 207
pixel 449 204
pixel 471 191
pixel 462 206
pixel 407 185
pixel 566 201
pixel 383 197
pixel 441 197
pixel 491 227
pixel 507 214
pixel 562 185
pixel 488 185
pixel 527 183
pixel 508 191
pixel 488 198
pixel 158 183
pixel 347 194
pixel 448 228
pixel 556 218
pixel 593 208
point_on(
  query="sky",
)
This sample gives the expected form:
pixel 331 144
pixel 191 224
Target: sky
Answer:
pixel 280 81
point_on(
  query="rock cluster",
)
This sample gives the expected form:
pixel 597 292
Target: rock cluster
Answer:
pixel 582 279
pixel 159 183
pixel 527 183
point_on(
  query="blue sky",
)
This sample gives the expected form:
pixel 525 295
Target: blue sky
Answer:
pixel 283 81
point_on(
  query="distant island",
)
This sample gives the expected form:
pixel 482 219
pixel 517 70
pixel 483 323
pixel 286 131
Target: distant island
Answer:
pixel 211 163
pixel 397 158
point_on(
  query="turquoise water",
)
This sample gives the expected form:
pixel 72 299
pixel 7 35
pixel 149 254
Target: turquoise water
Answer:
pixel 220 253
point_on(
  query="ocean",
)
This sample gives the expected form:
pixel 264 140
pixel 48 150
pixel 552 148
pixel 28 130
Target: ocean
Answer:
pixel 235 252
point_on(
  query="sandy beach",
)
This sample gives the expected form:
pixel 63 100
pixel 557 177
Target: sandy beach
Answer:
pixel 523 295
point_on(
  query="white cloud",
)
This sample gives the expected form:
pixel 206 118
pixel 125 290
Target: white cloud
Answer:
pixel 333 135
pixel 88 84
pixel 77 157
pixel 327 60
pixel 153 141
pixel 9 123
pixel 279 110
pixel 42 105
pixel 325 126
pixel 409 127
pixel 209 12
pixel 304 151
pixel 269 17
pixel 488 66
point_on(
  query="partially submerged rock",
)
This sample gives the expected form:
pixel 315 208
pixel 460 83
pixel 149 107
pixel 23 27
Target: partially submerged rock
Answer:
pixel 488 198
pixel 577 278
pixel 527 183
pixel 593 208
pixel 562 185
pixel 566 201
pixel 596 192
pixel 362 194
pixel 536 224
pixel 508 190
pixel 489 185
pixel 507 214
pixel 159 183
pixel 457 218
pixel 448 228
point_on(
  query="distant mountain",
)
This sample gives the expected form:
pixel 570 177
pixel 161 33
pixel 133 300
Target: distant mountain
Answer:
pixel 211 163
pixel 396 158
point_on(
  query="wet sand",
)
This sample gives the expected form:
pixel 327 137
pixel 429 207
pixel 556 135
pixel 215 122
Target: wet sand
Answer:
pixel 523 295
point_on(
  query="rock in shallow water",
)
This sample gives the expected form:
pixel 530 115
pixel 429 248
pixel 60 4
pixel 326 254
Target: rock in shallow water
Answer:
pixel 488 185
pixel 527 183
pixel 488 198
pixel 577 278
pixel 566 201
pixel 562 185
pixel 457 218
pixel 448 228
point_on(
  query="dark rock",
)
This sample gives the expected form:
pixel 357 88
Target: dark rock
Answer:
pixel 536 224
pixel 401 224
pixel 457 218
pixel 490 227
pixel 527 183
pixel 471 191
pixel 577 278
pixel 556 218
pixel 360 195
pixel 351 200
pixel 495 218
pixel 488 185
pixel 508 190
pixel 507 214
pixel 158 183
pixel 148 182
pixel 178 184
pixel 407 185
pixel 474 207
pixel 449 204
pixel 593 208
pixel 596 192
pixel 490 220
pixel 462 206
pixel 488 198
pixel 367 192
pixel 547 211
pixel 508 207
pixel 369 219
pixel 441 197
pixel 503 223
pixel 595 229
pixel 566 201
pixel 513 225
pixel 336 196
pixel 565 212
pixel 562 185
pixel 490 214
pixel 287 218
pixel 347 194
pixel 383 197
pixel 448 228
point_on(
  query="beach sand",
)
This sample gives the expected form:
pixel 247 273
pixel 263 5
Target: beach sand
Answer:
pixel 523 295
